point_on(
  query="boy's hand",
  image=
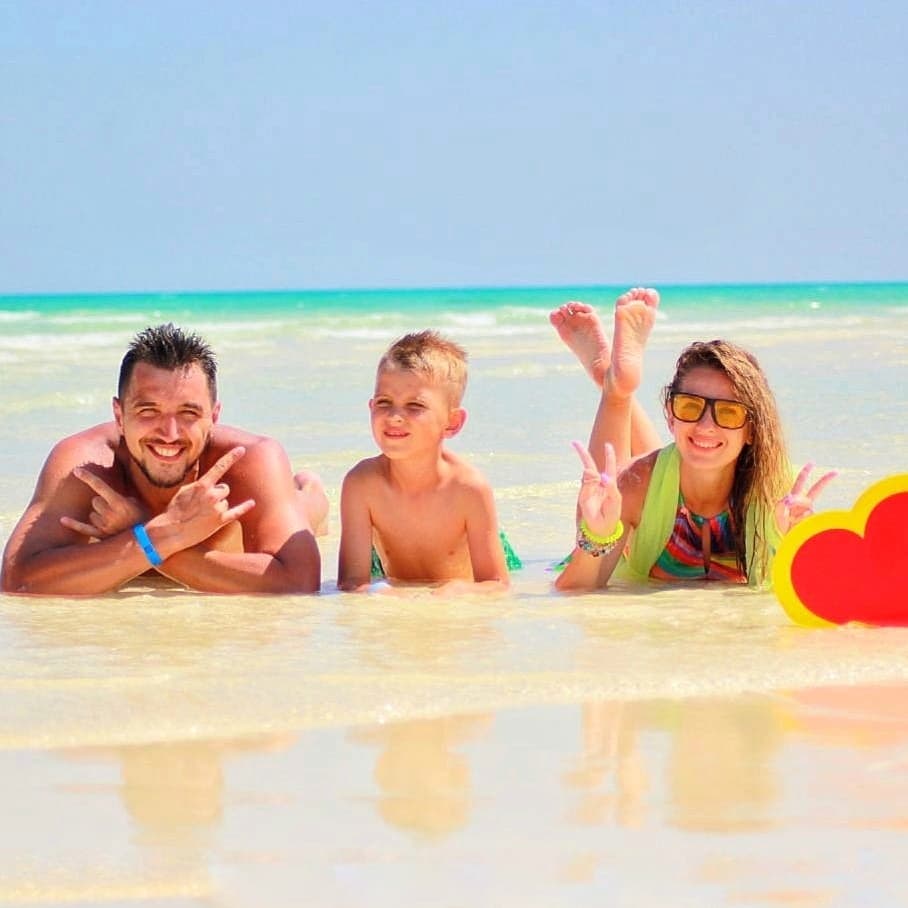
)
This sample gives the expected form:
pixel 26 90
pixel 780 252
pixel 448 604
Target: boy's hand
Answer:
pixel 599 501
pixel 798 504
pixel 111 512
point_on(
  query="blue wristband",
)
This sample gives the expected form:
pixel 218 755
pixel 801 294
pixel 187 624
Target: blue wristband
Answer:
pixel 151 553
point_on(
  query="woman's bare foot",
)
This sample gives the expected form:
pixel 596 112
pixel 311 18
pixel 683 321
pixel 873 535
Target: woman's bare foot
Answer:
pixel 578 325
pixel 635 315
pixel 316 501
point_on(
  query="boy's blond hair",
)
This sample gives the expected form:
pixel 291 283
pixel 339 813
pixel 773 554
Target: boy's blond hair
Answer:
pixel 431 354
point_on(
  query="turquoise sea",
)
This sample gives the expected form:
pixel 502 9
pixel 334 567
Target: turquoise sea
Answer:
pixel 510 308
pixel 170 749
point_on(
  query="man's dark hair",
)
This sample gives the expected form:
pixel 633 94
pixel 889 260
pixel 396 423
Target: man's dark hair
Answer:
pixel 169 347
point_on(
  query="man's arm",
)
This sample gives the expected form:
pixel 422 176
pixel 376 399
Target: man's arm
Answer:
pixel 354 562
pixel 280 552
pixel 44 556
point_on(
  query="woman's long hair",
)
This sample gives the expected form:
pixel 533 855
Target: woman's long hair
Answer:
pixel 762 471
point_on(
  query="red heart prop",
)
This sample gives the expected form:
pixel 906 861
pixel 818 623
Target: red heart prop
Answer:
pixel 843 577
pixel 849 566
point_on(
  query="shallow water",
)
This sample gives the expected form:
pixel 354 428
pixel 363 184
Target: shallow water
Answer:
pixel 645 747
pixel 172 749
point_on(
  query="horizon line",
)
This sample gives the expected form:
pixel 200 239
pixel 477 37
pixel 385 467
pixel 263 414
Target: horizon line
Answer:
pixel 435 288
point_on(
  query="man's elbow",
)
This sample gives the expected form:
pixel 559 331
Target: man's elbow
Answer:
pixel 307 578
pixel 299 580
pixel 8 583
pixel 307 586
pixel 12 578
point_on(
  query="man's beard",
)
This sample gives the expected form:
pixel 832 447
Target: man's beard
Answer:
pixel 169 483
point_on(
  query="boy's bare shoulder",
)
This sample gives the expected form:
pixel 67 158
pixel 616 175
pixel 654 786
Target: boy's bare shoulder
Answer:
pixel 370 469
pixel 466 474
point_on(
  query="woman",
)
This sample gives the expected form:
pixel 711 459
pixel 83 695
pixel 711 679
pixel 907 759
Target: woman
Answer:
pixel 711 505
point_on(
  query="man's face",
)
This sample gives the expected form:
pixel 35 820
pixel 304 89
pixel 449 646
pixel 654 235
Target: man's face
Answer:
pixel 165 419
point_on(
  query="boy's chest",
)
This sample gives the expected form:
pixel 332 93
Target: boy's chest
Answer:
pixel 435 515
pixel 428 530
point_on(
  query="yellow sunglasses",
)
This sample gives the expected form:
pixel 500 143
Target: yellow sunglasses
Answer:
pixel 727 414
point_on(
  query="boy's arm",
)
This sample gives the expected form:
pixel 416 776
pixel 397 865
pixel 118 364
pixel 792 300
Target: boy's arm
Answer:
pixel 490 568
pixel 280 554
pixel 354 562
pixel 486 552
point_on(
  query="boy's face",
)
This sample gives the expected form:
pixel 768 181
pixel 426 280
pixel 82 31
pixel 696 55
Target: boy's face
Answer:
pixel 411 413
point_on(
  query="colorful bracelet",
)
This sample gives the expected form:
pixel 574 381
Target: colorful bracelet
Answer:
pixel 594 545
pixel 147 546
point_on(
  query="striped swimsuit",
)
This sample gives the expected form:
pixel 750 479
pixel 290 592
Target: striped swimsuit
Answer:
pixel 700 548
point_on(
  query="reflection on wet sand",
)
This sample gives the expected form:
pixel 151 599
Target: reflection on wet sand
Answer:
pixel 723 767
pixel 748 799
pixel 871 723
pixel 424 781
pixel 608 750
pixel 718 772
pixel 172 794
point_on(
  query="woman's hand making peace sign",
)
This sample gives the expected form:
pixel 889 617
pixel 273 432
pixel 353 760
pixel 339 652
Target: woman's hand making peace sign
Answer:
pixel 798 504
pixel 599 501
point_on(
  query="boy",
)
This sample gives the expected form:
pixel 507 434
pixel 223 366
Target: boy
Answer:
pixel 429 515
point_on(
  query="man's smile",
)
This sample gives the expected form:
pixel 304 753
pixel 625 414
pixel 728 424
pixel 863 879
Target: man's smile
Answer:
pixel 165 451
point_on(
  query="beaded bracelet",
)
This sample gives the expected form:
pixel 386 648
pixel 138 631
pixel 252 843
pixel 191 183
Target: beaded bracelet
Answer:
pixel 594 545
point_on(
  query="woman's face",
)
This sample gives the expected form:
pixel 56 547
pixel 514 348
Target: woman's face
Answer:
pixel 704 443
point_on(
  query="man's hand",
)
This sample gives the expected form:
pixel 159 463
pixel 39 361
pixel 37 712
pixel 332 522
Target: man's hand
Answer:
pixel 111 512
pixel 201 508
pixel 229 538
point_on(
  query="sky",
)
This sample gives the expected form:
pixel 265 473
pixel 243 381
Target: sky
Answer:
pixel 175 145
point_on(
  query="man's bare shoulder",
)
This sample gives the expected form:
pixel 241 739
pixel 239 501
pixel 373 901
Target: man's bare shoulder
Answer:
pixel 259 448
pixel 96 446
pixel 224 438
pixel 58 492
pixel 265 456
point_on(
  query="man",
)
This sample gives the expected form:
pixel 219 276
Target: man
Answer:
pixel 166 487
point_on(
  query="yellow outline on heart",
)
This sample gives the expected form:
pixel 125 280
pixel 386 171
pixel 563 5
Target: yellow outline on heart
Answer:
pixel 854 520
